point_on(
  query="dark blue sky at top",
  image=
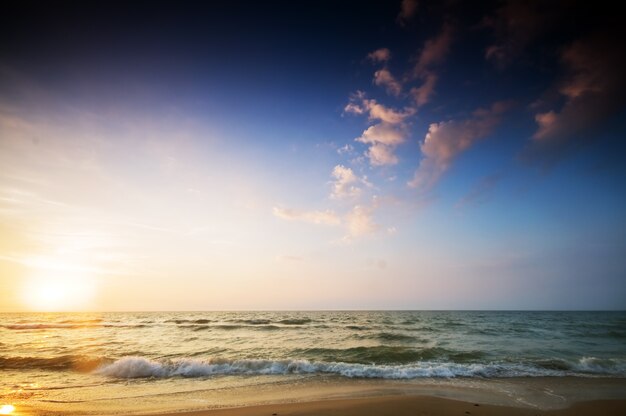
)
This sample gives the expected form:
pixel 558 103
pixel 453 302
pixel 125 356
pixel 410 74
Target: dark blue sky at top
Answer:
pixel 271 77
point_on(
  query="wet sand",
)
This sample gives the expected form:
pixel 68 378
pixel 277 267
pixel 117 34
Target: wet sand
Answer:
pixel 411 406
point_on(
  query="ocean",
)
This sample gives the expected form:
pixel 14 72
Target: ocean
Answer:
pixel 86 362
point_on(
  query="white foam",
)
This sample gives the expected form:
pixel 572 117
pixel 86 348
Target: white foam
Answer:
pixel 138 367
pixel 595 365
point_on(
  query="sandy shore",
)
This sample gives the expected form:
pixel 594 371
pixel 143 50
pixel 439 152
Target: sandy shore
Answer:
pixel 333 396
pixel 410 406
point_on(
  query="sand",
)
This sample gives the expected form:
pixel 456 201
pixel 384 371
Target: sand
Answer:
pixel 333 396
pixel 410 405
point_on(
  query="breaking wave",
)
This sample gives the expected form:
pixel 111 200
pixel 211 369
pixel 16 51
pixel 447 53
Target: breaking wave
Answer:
pixel 140 367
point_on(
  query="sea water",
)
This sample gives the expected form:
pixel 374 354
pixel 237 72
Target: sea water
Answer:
pixel 108 360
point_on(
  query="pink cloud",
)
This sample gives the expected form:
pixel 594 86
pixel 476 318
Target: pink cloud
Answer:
pixel 434 53
pixel 423 93
pixel 594 89
pixel 384 78
pixel 379 55
pixel 516 24
pixel 383 137
pixel 444 141
pixel 408 9
pixel 326 217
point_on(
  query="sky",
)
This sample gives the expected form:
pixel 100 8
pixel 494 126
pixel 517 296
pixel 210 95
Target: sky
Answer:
pixel 312 155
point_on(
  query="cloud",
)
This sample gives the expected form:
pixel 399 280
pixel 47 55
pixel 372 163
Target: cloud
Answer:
pixel 379 55
pixel 384 78
pixel 480 191
pixel 346 149
pixel 516 24
pixel 345 184
pixel 382 139
pixel 445 140
pixel 594 90
pixel 359 105
pixel 408 9
pixel 326 217
pixel 360 222
pixel 383 133
pixel 434 53
pixel 423 93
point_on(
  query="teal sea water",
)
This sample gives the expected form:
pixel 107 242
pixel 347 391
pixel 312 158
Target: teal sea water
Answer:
pixel 69 357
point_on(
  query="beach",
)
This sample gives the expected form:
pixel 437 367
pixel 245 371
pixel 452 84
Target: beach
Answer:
pixel 336 396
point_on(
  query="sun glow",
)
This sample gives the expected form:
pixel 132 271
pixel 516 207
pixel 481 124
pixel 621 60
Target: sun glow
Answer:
pixel 6 409
pixel 59 290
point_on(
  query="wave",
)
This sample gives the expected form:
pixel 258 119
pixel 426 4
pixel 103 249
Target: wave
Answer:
pixel 41 326
pixel 59 363
pixel 188 321
pixel 295 321
pixel 385 354
pixel 139 367
pixel 252 321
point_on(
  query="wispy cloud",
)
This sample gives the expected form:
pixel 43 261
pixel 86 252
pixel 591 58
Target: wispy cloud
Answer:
pixel 360 222
pixel 326 217
pixel 408 9
pixel 433 54
pixel 444 141
pixel 593 89
pixel 480 191
pixel 379 55
pixel 515 25
pixel 422 94
pixel 384 78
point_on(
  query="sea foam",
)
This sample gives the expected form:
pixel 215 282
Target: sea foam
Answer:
pixel 140 367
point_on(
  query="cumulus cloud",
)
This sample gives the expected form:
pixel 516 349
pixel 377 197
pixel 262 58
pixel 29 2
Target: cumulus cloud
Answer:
pixel 359 105
pixel 384 78
pixel 383 133
pixel 383 137
pixel 445 140
pixel 594 90
pixel 327 217
pixel 345 184
pixel 379 55
pixel 408 9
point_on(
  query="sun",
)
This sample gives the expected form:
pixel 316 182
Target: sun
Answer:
pixel 6 409
pixel 50 291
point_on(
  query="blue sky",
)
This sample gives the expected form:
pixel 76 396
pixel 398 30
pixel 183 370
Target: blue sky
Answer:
pixel 331 155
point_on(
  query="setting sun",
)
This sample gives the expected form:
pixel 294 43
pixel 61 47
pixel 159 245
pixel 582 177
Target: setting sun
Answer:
pixel 57 290
pixel 7 409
